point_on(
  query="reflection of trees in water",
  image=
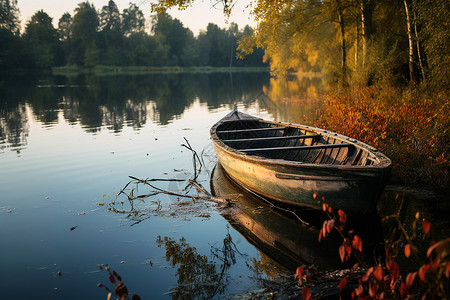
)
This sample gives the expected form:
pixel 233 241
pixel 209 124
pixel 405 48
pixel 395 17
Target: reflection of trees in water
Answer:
pixel 13 127
pixel 295 98
pixel 114 102
pixel 199 277
pixel 13 117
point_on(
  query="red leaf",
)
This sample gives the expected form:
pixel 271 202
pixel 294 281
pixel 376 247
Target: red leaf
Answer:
pixel 403 290
pixel 407 250
pixel 330 225
pixel 357 243
pixel 447 270
pixel 306 293
pixel 426 226
pixel 410 279
pixel 320 235
pixel 342 216
pixel 100 267
pixel 111 278
pixel 342 252
pixel 422 273
pixel 121 289
pixel 394 269
pixel 342 284
pixel 117 275
pixel 378 273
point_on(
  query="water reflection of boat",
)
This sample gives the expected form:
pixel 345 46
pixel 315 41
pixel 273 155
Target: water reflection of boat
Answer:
pixel 283 237
pixel 290 163
pixel 279 236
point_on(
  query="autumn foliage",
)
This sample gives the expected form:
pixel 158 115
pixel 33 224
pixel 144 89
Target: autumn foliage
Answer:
pixel 412 128
pixel 385 280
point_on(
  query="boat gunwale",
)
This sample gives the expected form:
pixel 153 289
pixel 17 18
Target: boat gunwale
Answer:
pixel 381 162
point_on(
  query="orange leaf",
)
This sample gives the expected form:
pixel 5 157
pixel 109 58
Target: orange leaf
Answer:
pixel 359 290
pixel 320 235
pixel 447 270
pixel 426 226
pixel 357 243
pixel 407 250
pixel 342 216
pixel 410 279
pixel 306 293
pixel 378 273
pixel 342 284
pixel 342 252
pixel 315 195
pixel 299 274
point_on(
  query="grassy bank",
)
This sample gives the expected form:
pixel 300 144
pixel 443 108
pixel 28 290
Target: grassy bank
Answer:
pixel 114 70
pixel 410 126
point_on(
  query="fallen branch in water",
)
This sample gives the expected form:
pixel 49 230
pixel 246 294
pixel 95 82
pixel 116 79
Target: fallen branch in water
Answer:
pixel 192 190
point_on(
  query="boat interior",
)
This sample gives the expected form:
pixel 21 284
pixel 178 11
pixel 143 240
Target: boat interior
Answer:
pixel 291 143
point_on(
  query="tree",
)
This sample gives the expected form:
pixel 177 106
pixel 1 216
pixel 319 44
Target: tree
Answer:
pixel 110 17
pixel 9 16
pixel 172 33
pixel 84 33
pixel 42 40
pixel 133 20
pixel 111 36
pixel 65 27
pixel 11 49
pixel 434 34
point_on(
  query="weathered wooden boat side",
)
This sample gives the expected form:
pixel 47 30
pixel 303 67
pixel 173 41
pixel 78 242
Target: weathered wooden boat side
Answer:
pixel 290 163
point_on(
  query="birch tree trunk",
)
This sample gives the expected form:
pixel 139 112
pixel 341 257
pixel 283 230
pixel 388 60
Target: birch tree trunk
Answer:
pixel 411 63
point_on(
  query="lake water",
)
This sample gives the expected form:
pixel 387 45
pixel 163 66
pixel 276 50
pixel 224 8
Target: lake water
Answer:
pixel 67 147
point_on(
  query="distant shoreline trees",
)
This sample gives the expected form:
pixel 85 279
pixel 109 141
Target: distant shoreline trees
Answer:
pixel 108 37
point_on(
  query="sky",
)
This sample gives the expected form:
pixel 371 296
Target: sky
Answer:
pixel 195 18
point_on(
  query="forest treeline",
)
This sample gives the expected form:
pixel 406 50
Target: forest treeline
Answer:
pixel 358 41
pixel 108 37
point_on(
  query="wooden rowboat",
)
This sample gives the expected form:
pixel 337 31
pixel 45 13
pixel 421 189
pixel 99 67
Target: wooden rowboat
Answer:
pixel 300 165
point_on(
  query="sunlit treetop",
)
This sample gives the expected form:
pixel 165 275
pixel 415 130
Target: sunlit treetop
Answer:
pixel 162 5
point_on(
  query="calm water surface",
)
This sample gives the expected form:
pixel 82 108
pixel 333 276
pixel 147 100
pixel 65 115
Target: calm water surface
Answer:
pixel 67 147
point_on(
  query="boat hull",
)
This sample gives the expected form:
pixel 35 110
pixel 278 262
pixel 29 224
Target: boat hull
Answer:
pixel 352 184
pixel 354 191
